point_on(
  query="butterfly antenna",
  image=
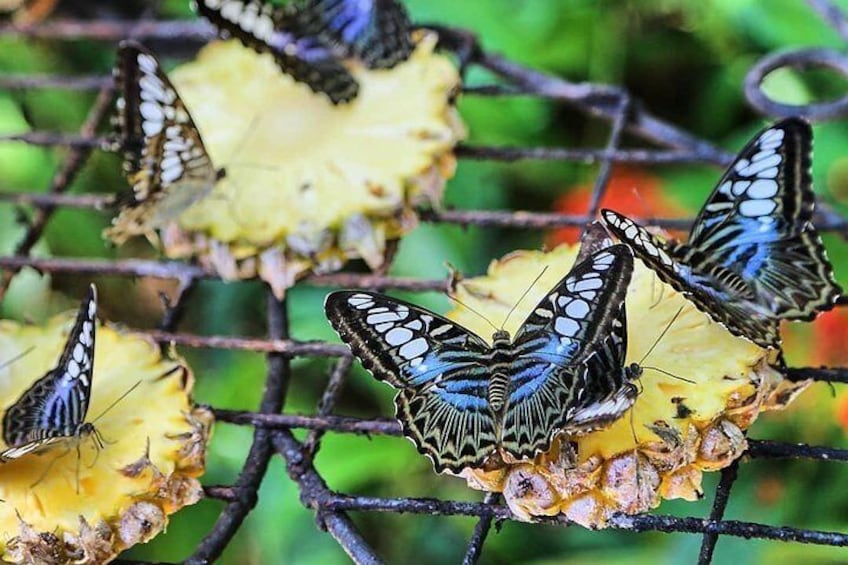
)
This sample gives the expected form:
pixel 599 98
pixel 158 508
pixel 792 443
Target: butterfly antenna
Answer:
pixel 523 296
pixel 25 352
pixel 242 142
pixel 672 375
pixel 662 335
pixel 120 398
pixel 470 309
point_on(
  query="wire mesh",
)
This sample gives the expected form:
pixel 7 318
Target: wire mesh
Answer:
pixel 272 427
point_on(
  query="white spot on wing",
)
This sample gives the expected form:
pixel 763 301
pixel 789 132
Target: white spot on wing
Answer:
pixel 398 336
pixel 413 349
pixel 566 326
pixel 578 309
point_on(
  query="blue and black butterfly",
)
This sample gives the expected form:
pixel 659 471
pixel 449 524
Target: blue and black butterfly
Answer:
pixel 310 40
pixel 753 256
pixel 461 400
pixel 165 160
pixel 54 408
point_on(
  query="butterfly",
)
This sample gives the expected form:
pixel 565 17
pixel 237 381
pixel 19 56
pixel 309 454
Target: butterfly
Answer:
pixel 753 256
pixel 164 157
pixel 374 31
pixel 310 40
pixel 461 400
pixel 54 408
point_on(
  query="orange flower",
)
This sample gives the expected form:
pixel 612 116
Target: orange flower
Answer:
pixel 631 191
pixel 830 332
pixel 842 412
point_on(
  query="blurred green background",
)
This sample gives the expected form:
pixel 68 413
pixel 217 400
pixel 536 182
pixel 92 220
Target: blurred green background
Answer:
pixel 685 61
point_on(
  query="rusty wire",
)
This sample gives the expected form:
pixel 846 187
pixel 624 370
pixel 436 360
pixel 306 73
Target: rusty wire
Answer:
pixel 272 427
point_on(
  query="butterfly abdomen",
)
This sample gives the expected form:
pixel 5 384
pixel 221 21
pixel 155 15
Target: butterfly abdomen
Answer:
pixel 502 360
pixel 498 391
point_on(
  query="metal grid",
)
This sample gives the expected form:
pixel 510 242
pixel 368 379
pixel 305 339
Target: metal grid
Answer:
pixel 272 428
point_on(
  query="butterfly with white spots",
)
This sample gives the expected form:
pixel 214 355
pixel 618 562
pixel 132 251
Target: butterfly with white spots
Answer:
pixel 462 401
pixel 753 256
pixel 53 409
pixel 165 160
pixel 309 40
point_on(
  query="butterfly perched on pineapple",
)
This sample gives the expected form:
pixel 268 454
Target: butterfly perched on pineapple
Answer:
pixel 310 40
pixel 54 408
pixel 753 256
pixel 461 400
pixel 164 157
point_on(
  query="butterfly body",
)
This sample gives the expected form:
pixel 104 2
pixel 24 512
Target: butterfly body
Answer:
pixel 165 160
pixel 462 400
pixel 54 408
pixel 753 256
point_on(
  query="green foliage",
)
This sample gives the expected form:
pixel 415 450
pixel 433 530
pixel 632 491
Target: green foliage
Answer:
pixel 684 61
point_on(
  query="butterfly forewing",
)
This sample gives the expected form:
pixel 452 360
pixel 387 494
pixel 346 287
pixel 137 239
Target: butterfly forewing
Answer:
pixel 439 367
pixel 265 28
pixel 757 223
pixel 55 406
pixel 164 157
pixel 718 292
pixel 548 385
pixel 375 31
pixel 753 257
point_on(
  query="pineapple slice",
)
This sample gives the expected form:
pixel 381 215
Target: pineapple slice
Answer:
pixel 310 185
pixel 676 429
pixel 88 504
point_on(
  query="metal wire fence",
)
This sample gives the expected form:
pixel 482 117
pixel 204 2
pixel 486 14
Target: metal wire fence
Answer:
pixel 272 435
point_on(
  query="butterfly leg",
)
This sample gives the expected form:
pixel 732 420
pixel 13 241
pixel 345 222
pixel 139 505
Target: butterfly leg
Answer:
pixel 656 283
pixel 99 444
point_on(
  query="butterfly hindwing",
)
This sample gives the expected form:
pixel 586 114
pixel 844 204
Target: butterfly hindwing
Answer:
pixel 375 31
pixel 266 28
pixel 604 390
pixel 548 382
pixel 439 367
pixel 164 157
pixel 55 406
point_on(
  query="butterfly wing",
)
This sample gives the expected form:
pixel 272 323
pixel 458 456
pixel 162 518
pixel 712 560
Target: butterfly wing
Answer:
pixel 716 291
pixel 55 406
pixel 265 28
pixel 604 390
pixel 375 31
pixel 549 385
pixel 439 368
pixel 164 157
pixel 758 224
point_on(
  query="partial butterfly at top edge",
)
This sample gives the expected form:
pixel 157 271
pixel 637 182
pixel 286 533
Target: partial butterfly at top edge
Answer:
pixel 461 400
pixel 164 157
pixel 375 31
pixel 753 256
pixel 54 408
pixel 309 41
